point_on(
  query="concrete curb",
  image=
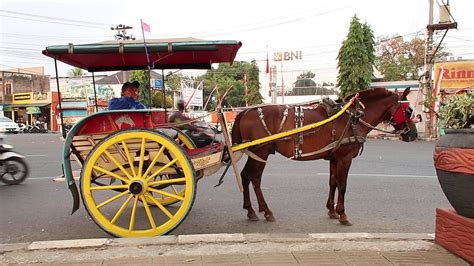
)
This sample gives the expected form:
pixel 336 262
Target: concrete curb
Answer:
pixel 210 239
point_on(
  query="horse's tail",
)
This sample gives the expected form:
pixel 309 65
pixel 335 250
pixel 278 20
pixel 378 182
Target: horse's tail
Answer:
pixel 236 136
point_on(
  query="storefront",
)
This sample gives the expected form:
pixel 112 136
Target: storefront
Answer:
pixel 29 107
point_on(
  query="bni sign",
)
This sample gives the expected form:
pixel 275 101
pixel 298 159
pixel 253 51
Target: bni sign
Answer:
pixel 287 56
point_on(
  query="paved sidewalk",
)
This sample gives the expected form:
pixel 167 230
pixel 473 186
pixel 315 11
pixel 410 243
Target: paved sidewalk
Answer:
pixel 236 249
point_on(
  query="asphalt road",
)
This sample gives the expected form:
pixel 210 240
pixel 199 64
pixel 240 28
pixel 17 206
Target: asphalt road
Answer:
pixel 392 187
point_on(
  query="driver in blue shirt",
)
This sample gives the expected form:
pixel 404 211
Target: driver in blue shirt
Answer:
pixel 129 99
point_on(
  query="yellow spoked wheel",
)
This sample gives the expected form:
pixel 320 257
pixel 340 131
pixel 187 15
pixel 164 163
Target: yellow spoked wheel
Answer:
pixel 119 183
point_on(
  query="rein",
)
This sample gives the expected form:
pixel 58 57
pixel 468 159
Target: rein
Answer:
pixel 395 132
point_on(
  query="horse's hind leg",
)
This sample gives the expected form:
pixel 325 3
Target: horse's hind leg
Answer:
pixel 332 190
pixel 247 203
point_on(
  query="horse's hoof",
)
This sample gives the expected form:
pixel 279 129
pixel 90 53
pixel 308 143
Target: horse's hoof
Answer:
pixel 253 217
pixel 270 218
pixel 346 223
pixel 333 215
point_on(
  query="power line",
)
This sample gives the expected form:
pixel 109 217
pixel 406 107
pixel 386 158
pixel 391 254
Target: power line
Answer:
pixel 52 22
pixel 53 18
pixel 259 27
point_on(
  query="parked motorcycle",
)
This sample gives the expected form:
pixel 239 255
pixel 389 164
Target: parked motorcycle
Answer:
pixel 38 127
pixel 22 127
pixel 13 167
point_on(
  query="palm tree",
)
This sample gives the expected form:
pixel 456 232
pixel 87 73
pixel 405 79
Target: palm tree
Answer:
pixel 76 72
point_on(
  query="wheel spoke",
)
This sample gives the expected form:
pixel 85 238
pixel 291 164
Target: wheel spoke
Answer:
pixel 112 199
pixel 160 206
pixel 119 165
pixel 122 208
pixel 161 169
pixel 130 161
pixel 133 215
pixel 152 164
pixel 109 187
pixel 148 212
pixel 98 168
pixel 167 181
pixel 142 156
pixel 171 195
pixel 174 189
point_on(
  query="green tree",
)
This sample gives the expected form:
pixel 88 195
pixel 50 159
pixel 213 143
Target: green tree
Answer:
pixel 76 72
pixel 157 100
pixel 398 59
pixel 306 75
pixel 145 92
pixel 355 59
pixel 226 76
pixel 173 81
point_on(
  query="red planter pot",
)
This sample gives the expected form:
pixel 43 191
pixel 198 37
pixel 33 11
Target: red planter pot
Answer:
pixel 454 162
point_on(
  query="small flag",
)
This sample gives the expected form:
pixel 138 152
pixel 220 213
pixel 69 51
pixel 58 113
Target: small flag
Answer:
pixel 145 27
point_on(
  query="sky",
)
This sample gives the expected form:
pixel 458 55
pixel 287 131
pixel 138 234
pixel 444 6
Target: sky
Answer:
pixel 316 28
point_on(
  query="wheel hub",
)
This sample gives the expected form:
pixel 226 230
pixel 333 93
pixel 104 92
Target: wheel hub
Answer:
pixel 137 187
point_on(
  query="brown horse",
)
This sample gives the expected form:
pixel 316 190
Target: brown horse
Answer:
pixel 338 141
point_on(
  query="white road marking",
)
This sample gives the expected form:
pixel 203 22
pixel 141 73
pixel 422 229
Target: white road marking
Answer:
pixel 385 175
pixel 323 174
pixel 40 178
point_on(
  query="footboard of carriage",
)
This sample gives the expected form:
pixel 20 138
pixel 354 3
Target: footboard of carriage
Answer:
pixel 138 176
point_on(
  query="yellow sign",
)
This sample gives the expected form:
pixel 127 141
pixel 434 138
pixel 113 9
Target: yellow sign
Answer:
pixel 22 98
pixel 456 75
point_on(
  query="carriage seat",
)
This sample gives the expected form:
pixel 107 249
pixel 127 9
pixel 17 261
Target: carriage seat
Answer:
pixel 169 132
pixel 206 150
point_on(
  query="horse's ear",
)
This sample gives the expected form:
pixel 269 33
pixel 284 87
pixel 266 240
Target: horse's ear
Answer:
pixel 406 92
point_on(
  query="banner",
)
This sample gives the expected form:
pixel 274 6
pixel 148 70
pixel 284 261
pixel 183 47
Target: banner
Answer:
pixel 193 96
pixel 456 75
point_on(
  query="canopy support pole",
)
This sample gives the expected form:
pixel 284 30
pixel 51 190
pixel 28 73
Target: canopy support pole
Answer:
pixel 164 89
pixel 95 93
pixel 63 131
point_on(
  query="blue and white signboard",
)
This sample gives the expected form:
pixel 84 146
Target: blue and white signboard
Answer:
pixel 157 83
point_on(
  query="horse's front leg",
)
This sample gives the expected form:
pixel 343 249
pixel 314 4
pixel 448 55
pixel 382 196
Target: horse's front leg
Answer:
pixel 342 166
pixel 255 170
pixel 262 205
pixel 332 190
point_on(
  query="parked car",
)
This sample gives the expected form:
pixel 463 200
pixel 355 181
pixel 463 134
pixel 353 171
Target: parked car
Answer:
pixel 8 126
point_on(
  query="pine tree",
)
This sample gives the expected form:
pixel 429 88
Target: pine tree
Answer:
pixel 356 59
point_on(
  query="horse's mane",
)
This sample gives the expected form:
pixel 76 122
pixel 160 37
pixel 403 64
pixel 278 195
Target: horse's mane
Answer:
pixel 371 93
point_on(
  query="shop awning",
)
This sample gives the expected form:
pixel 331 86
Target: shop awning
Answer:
pixel 8 107
pixel 28 104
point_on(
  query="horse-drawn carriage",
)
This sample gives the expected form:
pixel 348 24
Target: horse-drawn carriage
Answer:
pixel 138 173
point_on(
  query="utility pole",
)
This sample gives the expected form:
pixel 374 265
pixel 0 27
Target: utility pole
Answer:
pixel 122 32
pixel 430 54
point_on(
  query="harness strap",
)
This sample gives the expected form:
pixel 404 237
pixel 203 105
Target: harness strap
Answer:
pixel 283 120
pixel 253 156
pixel 262 120
pixel 348 140
pixel 299 118
pixel 338 142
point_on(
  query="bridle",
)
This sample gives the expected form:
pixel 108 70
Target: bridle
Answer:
pixel 401 115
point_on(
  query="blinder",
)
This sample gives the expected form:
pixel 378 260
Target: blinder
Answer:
pixel 402 114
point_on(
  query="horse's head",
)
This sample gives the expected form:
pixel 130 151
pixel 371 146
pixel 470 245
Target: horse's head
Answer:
pixel 400 118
